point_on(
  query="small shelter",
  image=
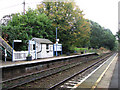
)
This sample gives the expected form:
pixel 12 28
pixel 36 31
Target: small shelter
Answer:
pixel 43 47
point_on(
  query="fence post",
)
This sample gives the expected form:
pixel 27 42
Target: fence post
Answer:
pixel 53 50
pixel 12 51
pixel 5 55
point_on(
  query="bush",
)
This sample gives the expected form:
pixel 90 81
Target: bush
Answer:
pixel 78 50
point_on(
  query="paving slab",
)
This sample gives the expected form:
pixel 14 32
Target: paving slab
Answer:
pixel 110 75
pixel 105 80
pixel 114 79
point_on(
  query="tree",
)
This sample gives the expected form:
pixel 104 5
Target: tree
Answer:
pixel 118 36
pixel 101 37
pixel 73 29
pixel 4 21
pixel 24 27
pixel 108 39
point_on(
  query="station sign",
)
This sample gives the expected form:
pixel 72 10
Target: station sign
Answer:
pixel 17 40
pixel 58 46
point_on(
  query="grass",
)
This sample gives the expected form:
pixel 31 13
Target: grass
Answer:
pixel 80 49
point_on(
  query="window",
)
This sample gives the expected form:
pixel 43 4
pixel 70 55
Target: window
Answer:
pixel 47 46
pixel 33 46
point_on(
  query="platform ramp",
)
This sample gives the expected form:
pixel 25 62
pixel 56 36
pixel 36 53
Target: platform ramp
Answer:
pixel 4 44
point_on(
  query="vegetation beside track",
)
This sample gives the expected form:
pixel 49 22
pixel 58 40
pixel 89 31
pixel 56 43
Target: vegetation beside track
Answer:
pixel 73 29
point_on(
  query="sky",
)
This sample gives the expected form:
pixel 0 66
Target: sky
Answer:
pixel 104 12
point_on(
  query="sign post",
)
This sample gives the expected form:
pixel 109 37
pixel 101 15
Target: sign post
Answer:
pixel 56 41
pixel 56 48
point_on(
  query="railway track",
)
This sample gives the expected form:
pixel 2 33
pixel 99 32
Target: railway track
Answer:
pixel 76 79
pixel 18 81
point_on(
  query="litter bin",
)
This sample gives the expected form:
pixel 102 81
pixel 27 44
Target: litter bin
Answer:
pixel 82 52
pixel 29 58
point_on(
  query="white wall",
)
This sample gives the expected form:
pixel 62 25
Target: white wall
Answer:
pixel 44 53
pixel 21 55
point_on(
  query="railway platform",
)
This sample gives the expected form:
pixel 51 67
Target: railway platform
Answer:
pixel 16 69
pixel 105 77
pixel 17 63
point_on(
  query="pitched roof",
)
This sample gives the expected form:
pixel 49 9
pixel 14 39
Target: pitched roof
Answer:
pixel 41 40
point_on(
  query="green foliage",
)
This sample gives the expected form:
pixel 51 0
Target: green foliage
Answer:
pixel 116 47
pixel 101 37
pixel 24 27
pixel 81 49
pixel 118 35
pixel 78 49
pixel 73 29
pixel 93 50
pixel 29 55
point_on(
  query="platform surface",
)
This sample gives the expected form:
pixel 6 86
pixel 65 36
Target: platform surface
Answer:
pixel 10 63
pixel 108 80
pixel 115 80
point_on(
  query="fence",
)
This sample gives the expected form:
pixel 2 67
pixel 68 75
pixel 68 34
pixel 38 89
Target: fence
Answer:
pixel 21 55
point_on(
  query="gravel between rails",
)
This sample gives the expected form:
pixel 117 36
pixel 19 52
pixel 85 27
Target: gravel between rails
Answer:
pixel 33 77
pixel 53 79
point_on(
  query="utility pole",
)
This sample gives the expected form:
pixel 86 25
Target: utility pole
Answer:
pixel 23 7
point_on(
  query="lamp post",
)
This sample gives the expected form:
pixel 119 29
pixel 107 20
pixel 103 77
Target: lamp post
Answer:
pixel 13 46
pixel 56 41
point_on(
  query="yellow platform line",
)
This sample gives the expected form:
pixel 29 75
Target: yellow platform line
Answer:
pixel 99 79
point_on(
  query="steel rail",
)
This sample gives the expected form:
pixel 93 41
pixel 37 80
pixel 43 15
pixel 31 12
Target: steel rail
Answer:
pixel 33 73
pixel 83 70
pixel 19 84
pixel 74 64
